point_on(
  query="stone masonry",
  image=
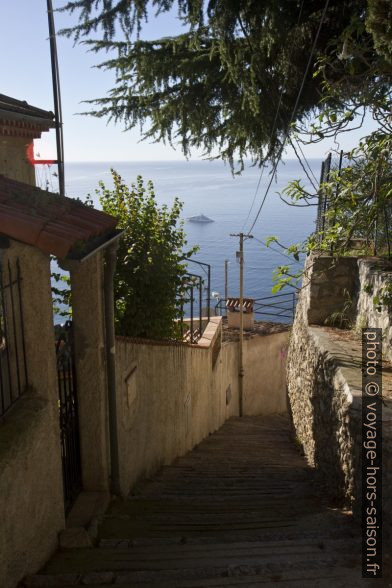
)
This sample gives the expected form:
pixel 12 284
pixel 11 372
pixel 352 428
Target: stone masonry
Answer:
pixel 324 386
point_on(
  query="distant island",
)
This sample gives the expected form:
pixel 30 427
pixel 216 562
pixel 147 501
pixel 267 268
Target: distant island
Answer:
pixel 200 218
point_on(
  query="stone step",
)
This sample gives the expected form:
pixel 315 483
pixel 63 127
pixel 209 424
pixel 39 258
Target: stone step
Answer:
pixel 242 509
pixel 211 560
pixel 195 540
pixel 294 573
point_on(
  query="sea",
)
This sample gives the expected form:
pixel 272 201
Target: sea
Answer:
pixel 209 188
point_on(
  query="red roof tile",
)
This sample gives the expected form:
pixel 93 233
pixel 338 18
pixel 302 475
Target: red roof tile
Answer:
pixel 52 223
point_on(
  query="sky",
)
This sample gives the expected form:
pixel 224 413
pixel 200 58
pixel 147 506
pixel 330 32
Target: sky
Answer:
pixel 25 74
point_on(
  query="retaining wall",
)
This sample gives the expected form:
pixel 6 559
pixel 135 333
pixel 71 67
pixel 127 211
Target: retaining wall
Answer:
pixel 171 396
pixel 324 381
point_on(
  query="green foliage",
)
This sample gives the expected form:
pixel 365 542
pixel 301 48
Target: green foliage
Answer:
pixel 343 318
pixel 359 197
pixel 359 207
pixel 216 86
pixel 368 288
pixel 384 297
pixel 61 295
pixel 150 273
pixel 379 24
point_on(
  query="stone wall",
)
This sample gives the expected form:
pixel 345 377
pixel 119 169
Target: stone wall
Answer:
pixel 373 276
pixel 334 288
pixel 170 397
pixel 324 381
pixel 321 404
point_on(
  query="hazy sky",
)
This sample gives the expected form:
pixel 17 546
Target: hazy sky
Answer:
pixel 26 74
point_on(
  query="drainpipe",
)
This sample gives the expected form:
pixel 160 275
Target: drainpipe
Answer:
pixel 110 266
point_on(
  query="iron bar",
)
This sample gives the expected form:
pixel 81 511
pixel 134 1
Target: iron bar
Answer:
pixel 209 293
pixel 284 307
pixel 320 201
pixel 69 417
pixel 200 306
pixel 21 315
pixel 191 288
pixel 13 366
pixel 326 179
pixel 16 348
pixel 204 265
pixel 337 190
pixel 6 343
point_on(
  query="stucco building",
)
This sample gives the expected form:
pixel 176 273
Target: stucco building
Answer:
pixel 54 434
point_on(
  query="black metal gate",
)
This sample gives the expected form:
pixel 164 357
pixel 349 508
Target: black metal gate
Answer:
pixel 69 418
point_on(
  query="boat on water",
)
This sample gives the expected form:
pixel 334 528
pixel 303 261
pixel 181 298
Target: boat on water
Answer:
pixel 200 218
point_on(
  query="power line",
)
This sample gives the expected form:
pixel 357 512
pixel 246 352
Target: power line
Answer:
pixel 272 248
pixel 314 181
pixel 292 114
pixel 255 194
pixel 272 132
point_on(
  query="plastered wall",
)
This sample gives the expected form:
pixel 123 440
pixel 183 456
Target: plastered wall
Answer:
pixel 31 493
pixel 170 397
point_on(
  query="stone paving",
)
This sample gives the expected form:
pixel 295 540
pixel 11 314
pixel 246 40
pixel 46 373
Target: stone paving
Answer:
pixel 242 509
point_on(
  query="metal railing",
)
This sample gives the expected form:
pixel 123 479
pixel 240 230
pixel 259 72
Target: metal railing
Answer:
pixel 191 322
pixel 13 366
pixel 380 232
pixel 194 296
pixel 207 270
pixel 278 306
pixel 322 206
pixel 69 419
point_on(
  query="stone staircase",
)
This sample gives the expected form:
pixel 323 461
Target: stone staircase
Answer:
pixel 240 510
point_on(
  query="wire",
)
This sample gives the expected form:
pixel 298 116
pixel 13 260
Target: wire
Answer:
pixel 273 249
pixel 306 161
pixel 272 132
pixel 254 195
pixel 292 115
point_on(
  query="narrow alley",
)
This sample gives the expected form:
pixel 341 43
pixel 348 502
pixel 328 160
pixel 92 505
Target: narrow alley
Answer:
pixel 241 509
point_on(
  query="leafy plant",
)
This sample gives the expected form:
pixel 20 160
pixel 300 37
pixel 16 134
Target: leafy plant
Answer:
pixel 343 318
pixel 216 85
pixel 361 323
pixel 150 276
pixel 61 295
pixel 359 198
pixel 384 298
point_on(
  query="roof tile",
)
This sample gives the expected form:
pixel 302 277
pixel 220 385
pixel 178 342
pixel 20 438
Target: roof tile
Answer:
pixel 53 223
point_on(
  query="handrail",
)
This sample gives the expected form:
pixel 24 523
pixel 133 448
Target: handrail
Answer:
pixel 284 307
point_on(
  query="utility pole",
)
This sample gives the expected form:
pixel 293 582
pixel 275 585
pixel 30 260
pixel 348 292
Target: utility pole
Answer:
pixel 240 254
pixel 56 98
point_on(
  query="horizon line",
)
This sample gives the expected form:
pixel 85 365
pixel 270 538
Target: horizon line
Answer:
pixel 170 160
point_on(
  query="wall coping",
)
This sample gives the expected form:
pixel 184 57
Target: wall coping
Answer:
pixel 205 342
pixel 346 356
